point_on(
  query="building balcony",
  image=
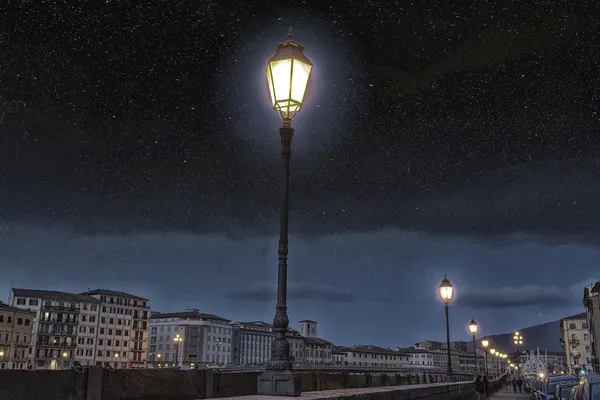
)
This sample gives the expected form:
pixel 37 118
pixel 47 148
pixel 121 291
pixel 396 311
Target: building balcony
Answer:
pixel 63 309
pixel 61 321
pixel 574 341
pixel 57 345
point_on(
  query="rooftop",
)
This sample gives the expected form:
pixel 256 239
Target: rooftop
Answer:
pixel 308 320
pixel 54 295
pixel 254 324
pixel 577 316
pixel 9 308
pixel 317 341
pixel 187 315
pixel 114 293
pixel 370 349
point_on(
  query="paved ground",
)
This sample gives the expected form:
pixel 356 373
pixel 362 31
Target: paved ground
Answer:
pixel 503 394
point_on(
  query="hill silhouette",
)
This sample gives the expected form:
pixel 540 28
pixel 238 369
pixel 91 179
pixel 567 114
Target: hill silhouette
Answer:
pixel 545 336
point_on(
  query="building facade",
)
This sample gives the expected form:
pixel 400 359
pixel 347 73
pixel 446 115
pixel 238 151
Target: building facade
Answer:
pixel 591 301
pixel 205 339
pixel 93 328
pixel 251 343
pixel 16 328
pixel 370 356
pixel 576 343
pixel 122 329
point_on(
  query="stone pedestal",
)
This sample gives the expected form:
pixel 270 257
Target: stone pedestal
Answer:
pixel 278 383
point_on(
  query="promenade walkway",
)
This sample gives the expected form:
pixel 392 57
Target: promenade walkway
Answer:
pixel 510 395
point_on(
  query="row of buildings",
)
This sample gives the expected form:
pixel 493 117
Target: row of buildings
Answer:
pixel 41 329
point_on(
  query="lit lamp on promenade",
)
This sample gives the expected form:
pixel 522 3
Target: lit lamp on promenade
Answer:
pixel 485 343
pixel 446 292
pixel 492 352
pixel 288 73
pixel 473 328
pixel 177 339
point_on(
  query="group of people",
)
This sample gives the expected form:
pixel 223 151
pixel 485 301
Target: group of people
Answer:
pixel 481 385
pixel 516 383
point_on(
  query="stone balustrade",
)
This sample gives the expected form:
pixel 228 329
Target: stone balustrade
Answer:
pixel 97 383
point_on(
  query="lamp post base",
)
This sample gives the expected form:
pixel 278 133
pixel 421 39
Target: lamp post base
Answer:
pixel 278 383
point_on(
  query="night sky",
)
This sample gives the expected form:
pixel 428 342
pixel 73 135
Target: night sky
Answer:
pixel 138 152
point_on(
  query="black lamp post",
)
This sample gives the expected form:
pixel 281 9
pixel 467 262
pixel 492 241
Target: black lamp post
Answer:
pixel 473 328
pixel 288 72
pixel 485 343
pixel 446 292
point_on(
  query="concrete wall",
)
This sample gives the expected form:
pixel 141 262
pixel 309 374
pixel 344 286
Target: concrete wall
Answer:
pixel 96 383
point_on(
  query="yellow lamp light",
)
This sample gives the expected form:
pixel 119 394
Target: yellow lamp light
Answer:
pixel 473 327
pixel 446 290
pixel 288 72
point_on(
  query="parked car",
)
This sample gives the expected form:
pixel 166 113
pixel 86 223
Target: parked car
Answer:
pixel 563 390
pixel 548 387
pixel 588 388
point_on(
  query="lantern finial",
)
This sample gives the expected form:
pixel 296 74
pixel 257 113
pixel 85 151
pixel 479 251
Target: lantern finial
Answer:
pixel 290 35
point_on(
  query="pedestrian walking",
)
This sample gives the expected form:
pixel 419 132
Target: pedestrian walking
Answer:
pixel 520 384
pixel 479 388
pixel 485 386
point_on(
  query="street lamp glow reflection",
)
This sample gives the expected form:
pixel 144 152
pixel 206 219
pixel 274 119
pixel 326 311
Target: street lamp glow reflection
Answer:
pixel 288 72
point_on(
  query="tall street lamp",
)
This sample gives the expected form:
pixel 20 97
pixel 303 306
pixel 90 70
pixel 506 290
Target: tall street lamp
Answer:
pixel 518 341
pixel 485 343
pixel 288 73
pixel 492 352
pixel 446 292
pixel 473 328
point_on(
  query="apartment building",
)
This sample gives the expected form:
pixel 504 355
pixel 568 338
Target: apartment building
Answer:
pixel 92 328
pixel 16 327
pixel 202 339
pixel 576 343
pixel 591 301
pixel 54 335
pixel 370 356
pixel 122 329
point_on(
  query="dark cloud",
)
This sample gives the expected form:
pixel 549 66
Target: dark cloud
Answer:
pixel 484 147
pixel 330 294
pixel 531 295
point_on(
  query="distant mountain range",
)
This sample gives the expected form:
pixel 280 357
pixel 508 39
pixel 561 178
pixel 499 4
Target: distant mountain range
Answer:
pixel 545 336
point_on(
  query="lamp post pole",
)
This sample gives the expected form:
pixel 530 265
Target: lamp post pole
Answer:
pixel 448 341
pixel 485 343
pixel 288 72
pixel 446 292
pixel 474 328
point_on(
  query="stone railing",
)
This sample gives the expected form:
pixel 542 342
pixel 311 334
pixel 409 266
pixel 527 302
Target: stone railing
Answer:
pixel 97 383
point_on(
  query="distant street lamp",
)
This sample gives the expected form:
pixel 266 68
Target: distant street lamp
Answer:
pixel 518 341
pixel 218 350
pixel 446 292
pixel 473 328
pixel 485 343
pixel 288 73
pixel 177 339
